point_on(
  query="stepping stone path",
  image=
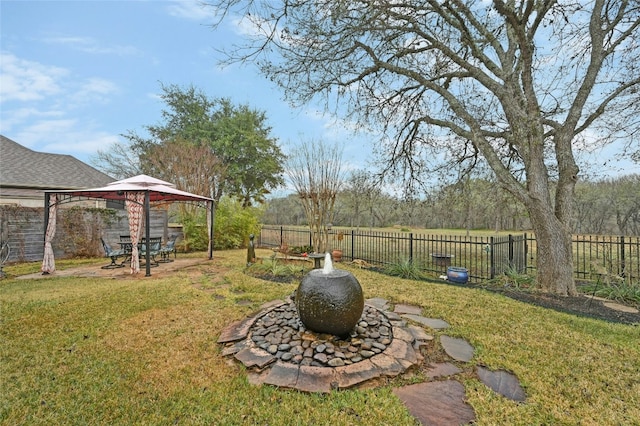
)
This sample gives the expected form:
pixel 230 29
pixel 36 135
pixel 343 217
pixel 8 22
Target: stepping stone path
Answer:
pixel 277 350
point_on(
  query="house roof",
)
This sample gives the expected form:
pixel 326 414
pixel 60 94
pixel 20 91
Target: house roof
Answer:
pixel 25 168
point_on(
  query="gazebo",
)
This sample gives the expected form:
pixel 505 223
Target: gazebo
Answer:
pixel 137 193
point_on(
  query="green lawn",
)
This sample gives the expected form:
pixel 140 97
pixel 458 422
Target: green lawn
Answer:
pixel 143 351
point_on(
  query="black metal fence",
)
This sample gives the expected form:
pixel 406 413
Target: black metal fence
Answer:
pixel 601 257
pixel 484 257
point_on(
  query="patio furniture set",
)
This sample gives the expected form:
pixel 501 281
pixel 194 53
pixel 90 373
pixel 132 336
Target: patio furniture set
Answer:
pixel 156 249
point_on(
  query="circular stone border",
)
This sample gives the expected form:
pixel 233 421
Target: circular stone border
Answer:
pixel 281 333
pixel 382 345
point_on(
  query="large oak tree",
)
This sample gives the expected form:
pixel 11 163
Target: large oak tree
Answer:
pixel 518 85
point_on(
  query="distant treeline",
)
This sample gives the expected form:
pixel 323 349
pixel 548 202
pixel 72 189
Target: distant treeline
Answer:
pixel 610 206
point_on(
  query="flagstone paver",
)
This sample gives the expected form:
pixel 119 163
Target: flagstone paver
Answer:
pixel 235 348
pixel 443 369
pixel 458 349
pixel 387 365
pixel 434 323
pixel 407 309
pixel 439 403
pixel 419 333
pixel 254 357
pixel 393 316
pixel 236 331
pixel 378 302
pixel 351 375
pixel 315 379
pixel 503 383
pixel 283 374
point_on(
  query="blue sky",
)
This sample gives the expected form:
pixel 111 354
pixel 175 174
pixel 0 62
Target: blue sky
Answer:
pixel 74 75
pixel 77 74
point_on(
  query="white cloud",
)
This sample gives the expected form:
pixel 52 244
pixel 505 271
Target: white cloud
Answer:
pixel 192 10
pixel 24 80
pixel 94 90
pixel 87 143
pixel 21 115
pixel 64 136
pixel 47 109
pixel 337 129
pixel 92 46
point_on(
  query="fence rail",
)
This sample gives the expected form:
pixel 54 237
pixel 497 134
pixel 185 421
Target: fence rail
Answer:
pixel 601 257
pixel 484 257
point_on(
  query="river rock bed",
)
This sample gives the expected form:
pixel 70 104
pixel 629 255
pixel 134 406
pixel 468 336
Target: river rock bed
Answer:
pixel 281 333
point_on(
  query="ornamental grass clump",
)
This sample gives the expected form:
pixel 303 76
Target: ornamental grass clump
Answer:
pixel 405 268
pixel 270 268
pixel 622 290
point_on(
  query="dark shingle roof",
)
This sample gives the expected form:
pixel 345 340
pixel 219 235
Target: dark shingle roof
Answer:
pixel 22 167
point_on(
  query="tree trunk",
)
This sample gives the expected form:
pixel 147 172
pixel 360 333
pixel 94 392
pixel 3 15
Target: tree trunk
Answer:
pixel 554 253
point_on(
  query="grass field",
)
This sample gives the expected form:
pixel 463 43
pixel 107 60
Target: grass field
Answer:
pixel 143 351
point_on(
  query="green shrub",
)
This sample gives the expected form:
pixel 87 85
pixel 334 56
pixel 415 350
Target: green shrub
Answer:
pixel 234 224
pixel 232 227
pixel 194 228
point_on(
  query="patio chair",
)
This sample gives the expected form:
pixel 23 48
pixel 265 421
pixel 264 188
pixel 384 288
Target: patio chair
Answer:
pixel 113 254
pixel 167 249
pixel 154 249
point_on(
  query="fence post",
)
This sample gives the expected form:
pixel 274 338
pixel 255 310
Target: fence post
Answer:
pixel 622 262
pixel 526 253
pixel 492 264
pixel 510 251
pixel 353 244
pixel 411 247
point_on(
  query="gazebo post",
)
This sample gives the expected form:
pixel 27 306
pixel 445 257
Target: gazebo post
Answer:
pixel 47 197
pixel 210 229
pixel 147 231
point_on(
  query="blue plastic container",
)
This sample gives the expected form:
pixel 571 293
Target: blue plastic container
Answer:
pixel 457 275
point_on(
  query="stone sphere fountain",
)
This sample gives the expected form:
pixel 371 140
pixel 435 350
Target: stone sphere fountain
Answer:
pixel 329 300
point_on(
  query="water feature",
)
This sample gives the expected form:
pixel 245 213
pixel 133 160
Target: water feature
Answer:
pixel 328 264
pixel 322 338
pixel 329 300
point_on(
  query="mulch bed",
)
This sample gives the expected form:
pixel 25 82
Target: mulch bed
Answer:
pixel 577 305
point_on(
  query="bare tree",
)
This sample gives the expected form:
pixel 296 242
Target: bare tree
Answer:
pixel 192 168
pixel 315 171
pixel 362 192
pixel 515 84
pixel 120 160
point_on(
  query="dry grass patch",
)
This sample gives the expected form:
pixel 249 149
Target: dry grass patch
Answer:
pixel 174 347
